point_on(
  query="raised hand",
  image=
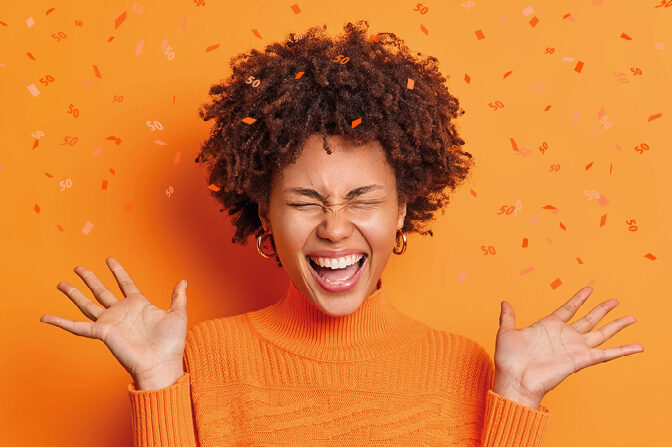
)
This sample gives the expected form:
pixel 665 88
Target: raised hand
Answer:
pixel 147 341
pixel 531 361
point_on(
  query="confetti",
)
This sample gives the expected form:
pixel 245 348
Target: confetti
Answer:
pixel 547 108
pixel 655 117
pixel 30 55
pixel 525 242
pixel 33 90
pixel 60 228
pixel 625 36
pixel 88 226
pixel 30 22
pixel 256 33
pixel 424 30
pixel 533 22
pixel 104 186
pixel 575 117
pixel 248 120
pixel 410 84
pixel 356 122
pixel 480 35
pixel 579 66
pixel 461 275
pixel 49 11
pixel 528 10
pixel 97 72
pixel 295 8
pixel 36 143
pixel 567 59
pixel 176 158
pixel 650 256
pixel 3 23
pixel 298 75
pixel 212 47
pixel 97 151
pixel 138 47
pixel 129 206
pixel 527 270
pixel 588 166
pixel 534 219
pixel 555 284
pixel 37 208
pixel 515 146
pixel 473 193
pixel 467 79
pixel 119 20
pixel 603 201
pixel 160 142
pixel 116 140
pixel 214 187
pixel 506 74
pixel 603 220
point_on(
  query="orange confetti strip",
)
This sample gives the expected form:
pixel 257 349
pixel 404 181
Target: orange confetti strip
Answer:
pixel 112 171
pixel 212 47
pixel 655 117
pixel 480 35
pixel 295 8
pixel 555 284
pixel 603 220
pixel 3 23
pixel 650 256
pixel 515 146
pixel 547 108
pixel 563 226
pixel 525 241
pixel 566 15
pixel 423 29
pixel 506 74
pixel 467 79
pixel 129 206
pixel 119 20
pixel 549 240
pixel 356 122
pixel 60 228
pixel 579 66
pixel 48 175
pixel 256 33
pixel 588 166
pixel 30 55
pixel 49 11
pixel 298 75
pixel 610 168
pixel 214 187
pixel 116 140
pixel 410 84
pixel 104 186
pixel 176 158
pixel 527 270
pixel 625 36
pixel 36 143
pixel 173 99
pixel 110 39
pixel 548 207
pixel 579 260
pixel 37 208
pixel 473 193
pixel 248 120
pixel 97 72
pixel 533 21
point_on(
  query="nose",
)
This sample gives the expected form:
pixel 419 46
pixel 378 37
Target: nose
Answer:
pixel 334 226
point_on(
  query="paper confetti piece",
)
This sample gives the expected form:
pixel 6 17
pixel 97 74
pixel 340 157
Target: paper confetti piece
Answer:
pixel 655 117
pixel 579 66
pixel 410 84
pixel 104 186
pixel 461 275
pixel 534 219
pixel 160 142
pixel 625 36
pixel 467 79
pixel 176 158
pixel 3 23
pixel 212 47
pixel 528 10
pixel 547 108
pixel 423 29
pixel 480 35
pixel 36 143
pixel 506 74
pixel 600 113
pixel 119 20
pixel 555 284
pixel 567 59
pixel 515 146
pixel 603 201
pixel 527 270
pixel 533 21
pixel 650 256
pixel 129 206
pixel 97 72
pixel 295 8
pixel 575 117
pixel 97 151
pixel 588 166
pixel 298 75
pixel 60 228
pixel 110 39
pixel 33 90
pixel 88 226
pixel 473 193
pixel 37 208
pixel 563 226
pixel 603 220
pixel 49 11
pixel 214 187
pixel 138 47
pixel 525 241
pixel 30 22
pixel 248 120
pixel 256 33
pixel 112 171
pixel 30 55
pixel 356 122
pixel 116 140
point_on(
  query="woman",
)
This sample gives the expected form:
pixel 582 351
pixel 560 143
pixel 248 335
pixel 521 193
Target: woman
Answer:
pixel 329 152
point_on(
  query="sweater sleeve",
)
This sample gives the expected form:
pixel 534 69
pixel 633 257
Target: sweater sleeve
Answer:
pixel 507 423
pixel 164 417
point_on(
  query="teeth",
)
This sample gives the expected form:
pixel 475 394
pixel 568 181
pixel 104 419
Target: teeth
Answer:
pixel 337 263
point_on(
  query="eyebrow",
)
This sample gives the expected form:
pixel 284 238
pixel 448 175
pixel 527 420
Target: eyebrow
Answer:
pixel 316 195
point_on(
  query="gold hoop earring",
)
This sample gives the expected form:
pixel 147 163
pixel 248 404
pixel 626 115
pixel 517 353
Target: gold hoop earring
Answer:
pixel 403 248
pixel 261 252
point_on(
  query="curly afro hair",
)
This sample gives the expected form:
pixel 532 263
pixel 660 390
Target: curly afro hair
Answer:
pixel 353 86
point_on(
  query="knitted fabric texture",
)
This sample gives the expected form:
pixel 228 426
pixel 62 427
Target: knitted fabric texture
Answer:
pixel 288 374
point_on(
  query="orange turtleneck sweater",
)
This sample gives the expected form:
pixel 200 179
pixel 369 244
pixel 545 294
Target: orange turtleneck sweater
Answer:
pixel 288 374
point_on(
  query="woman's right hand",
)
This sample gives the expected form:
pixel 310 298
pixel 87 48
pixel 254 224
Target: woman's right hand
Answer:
pixel 147 341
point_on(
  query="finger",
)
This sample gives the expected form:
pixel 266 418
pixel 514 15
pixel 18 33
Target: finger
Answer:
pixel 179 298
pixel 604 355
pixel 567 310
pixel 599 336
pixel 507 316
pixel 82 328
pixel 124 280
pixel 88 307
pixel 588 322
pixel 102 294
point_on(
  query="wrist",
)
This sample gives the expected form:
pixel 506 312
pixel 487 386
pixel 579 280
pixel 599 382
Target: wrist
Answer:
pixel 158 379
pixel 510 391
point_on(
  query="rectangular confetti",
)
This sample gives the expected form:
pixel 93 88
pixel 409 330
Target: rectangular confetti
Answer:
pixel 480 35
pixel 33 90
pixel 528 10
pixel 30 22
pixel 88 226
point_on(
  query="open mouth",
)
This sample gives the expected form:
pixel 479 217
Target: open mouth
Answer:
pixel 316 268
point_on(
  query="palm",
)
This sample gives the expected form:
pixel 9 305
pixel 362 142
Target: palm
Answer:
pixel 542 355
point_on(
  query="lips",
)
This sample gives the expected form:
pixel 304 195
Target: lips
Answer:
pixel 335 288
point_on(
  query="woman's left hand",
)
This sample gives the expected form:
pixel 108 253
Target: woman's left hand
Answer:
pixel 530 362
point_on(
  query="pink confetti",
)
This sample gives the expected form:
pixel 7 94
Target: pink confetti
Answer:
pixel 88 226
pixel 97 151
pixel 138 47
pixel 603 201
pixel 527 270
pixel 461 276
pixel 575 117
pixel 160 143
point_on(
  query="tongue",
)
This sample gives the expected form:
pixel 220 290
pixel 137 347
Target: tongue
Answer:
pixel 338 274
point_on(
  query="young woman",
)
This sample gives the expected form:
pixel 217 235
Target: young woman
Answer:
pixel 330 151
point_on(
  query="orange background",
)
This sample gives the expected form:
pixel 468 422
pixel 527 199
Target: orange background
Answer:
pixel 145 201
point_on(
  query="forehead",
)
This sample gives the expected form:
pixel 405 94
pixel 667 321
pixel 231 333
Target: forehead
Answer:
pixel 348 166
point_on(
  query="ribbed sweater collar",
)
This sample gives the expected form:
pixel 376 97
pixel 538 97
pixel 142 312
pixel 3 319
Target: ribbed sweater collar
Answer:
pixel 296 325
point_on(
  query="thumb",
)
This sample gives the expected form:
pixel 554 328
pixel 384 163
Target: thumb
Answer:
pixel 179 298
pixel 507 316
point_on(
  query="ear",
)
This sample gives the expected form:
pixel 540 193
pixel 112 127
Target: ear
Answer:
pixel 263 216
pixel 402 215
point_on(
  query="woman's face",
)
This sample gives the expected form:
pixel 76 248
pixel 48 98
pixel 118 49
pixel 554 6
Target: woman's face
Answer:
pixel 366 223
